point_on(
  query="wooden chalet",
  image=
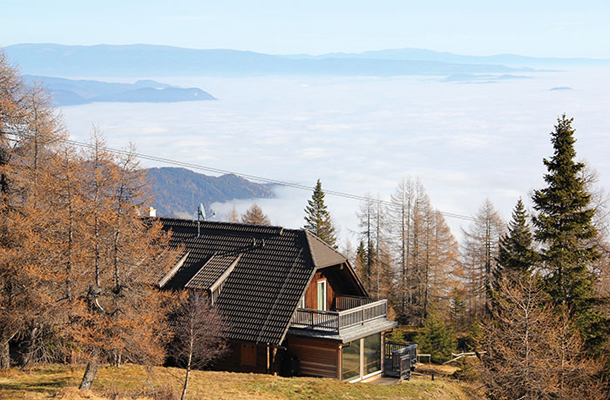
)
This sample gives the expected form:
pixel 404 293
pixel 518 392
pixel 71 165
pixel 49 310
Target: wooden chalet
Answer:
pixel 291 301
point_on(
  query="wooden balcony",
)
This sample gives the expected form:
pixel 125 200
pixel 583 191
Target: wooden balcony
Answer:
pixel 335 321
pixel 343 302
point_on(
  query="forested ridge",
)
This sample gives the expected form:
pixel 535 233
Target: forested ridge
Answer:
pixel 178 191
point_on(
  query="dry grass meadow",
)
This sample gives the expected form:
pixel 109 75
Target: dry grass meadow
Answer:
pixel 137 382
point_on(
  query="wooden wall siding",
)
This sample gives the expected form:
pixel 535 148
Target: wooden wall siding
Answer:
pixel 248 355
pixel 311 295
pixel 316 358
pixel 342 281
pixel 243 355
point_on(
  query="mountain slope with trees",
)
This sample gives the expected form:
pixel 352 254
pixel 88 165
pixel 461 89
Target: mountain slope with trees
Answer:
pixel 178 191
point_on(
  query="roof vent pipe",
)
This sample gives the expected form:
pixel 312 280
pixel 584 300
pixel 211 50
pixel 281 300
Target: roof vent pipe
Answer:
pixel 200 217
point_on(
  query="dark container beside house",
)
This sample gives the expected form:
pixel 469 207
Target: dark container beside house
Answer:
pixel 290 366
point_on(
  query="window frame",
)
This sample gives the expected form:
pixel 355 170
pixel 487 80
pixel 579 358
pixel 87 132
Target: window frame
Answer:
pixel 322 284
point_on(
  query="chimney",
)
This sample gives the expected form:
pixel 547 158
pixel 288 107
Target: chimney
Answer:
pixel 152 212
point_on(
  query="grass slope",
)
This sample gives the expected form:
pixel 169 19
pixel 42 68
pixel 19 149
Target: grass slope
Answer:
pixel 131 381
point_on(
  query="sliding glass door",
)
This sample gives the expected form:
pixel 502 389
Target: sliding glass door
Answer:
pixel 361 357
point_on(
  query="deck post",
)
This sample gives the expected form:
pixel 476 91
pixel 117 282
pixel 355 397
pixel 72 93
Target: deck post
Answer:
pixel 339 366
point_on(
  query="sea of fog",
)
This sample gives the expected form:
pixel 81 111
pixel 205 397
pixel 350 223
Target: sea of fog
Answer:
pixel 466 140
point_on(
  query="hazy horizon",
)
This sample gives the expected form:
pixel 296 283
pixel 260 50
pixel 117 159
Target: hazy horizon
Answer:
pixel 380 48
pixel 544 28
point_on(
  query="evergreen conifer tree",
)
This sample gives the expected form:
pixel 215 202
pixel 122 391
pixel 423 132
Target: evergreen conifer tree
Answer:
pixel 317 217
pixel 362 263
pixel 436 338
pixel 516 251
pixel 564 228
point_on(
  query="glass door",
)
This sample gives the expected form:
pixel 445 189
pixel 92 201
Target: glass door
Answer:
pixel 322 296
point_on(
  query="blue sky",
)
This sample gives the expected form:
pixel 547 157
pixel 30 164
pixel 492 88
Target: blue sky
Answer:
pixel 557 28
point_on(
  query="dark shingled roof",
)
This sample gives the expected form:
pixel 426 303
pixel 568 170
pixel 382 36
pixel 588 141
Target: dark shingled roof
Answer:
pixel 272 268
pixel 216 267
pixel 323 255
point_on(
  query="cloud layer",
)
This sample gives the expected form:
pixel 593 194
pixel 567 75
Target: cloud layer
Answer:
pixel 464 141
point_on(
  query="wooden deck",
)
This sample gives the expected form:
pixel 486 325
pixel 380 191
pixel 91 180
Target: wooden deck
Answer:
pixel 335 321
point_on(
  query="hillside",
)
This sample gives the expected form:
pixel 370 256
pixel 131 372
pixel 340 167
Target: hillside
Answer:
pixel 130 381
pixel 178 191
pixel 446 57
pixel 162 61
pixel 68 92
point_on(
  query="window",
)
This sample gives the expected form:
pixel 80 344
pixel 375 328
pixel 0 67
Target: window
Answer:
pixel 350 361
pixel 365 352
pixel 322 296
pixel 302 302
pixel 372 354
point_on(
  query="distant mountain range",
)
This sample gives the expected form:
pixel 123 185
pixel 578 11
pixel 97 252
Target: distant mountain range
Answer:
pixel 178 191
pixel 68 92
pixel 139 60
pixel 159 61
pixel 512 60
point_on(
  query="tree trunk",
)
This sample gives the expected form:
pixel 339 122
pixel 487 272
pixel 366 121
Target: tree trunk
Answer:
pixel 189 363
pixel 27 358
pixel 5 356
pixel 89 375
pixel 186 383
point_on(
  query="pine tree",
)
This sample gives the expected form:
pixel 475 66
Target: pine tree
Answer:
pixel 425 254
pixel 255 216
pixel 400 219
pixel 532 350
pixel 516 251
pixel 117 314
pixel 436 338
pixel 378 276
pixel 480 250
pixel 317 217
pixel 29 129
pixel 233 215
pixel 564 228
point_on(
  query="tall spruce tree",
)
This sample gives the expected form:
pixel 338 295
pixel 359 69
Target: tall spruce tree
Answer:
pixel 317 217
pixel 564 228
pixel 516 251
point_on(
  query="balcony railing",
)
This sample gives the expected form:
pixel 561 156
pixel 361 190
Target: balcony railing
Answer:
pixel 335 321
pixel 344 302
pixel 400 359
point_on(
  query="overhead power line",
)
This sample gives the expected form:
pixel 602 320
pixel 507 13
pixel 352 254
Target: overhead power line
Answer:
pixel 247 176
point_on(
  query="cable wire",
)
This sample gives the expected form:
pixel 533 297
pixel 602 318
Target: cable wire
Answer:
pixel 250 177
